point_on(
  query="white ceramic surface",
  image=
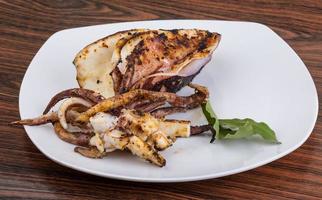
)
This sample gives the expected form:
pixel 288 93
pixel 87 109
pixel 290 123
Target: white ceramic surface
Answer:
pixel 253 73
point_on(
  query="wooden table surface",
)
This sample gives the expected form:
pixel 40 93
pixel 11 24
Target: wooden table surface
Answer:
pixel 27 173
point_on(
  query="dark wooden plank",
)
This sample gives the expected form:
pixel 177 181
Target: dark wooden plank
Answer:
pixel 26 173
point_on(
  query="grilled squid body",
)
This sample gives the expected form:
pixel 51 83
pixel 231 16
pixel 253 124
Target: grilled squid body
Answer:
pixel 142 134
pixel 159 60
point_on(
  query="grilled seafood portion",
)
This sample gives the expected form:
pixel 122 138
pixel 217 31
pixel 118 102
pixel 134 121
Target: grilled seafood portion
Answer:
pixel 127 85
pixel 89 121
pixel 159 60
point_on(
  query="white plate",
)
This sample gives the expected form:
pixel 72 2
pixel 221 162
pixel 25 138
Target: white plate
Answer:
pixel 253 73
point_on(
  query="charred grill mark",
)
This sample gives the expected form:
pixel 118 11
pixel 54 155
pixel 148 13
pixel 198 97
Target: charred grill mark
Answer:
pixel 103 39
pixel 174 31
pixel 117 78
pixel 117 75
pixel 132 60
pixel 202 45
pixel 162 37
pixel 126 81
pixel 104 45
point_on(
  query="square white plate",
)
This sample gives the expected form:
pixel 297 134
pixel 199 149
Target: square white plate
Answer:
pixel 253 73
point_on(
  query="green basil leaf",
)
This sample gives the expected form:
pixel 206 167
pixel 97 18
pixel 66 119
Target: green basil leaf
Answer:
pixel 237 128
pixel 232 124
pixel 224 132
pixel 265 131
pixel 248 127
pixel 212 120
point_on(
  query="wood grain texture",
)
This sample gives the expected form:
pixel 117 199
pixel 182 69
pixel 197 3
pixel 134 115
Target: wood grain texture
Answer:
pixel 25 173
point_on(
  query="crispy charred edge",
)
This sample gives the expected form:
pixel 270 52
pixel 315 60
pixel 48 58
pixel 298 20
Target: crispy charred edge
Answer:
pixel 120 44
pixel 205 42
pixel 117 76
pixel 72 138
pixel 174 31
pixel 137 145
pixel 132 59
pixel 115 73
pixel 195 130
pixel 103 39
pixel 117 79
pixel 123 41
pixel 135 58
pixel 88 95
pixel 126 80
pixel 90 152
pixel 162 112
pixel 43 119
pixel 189 102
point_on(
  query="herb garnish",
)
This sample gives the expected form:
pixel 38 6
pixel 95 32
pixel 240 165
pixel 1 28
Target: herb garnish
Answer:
pixel 236 128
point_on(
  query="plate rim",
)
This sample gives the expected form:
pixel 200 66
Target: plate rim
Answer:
pixel 177 179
